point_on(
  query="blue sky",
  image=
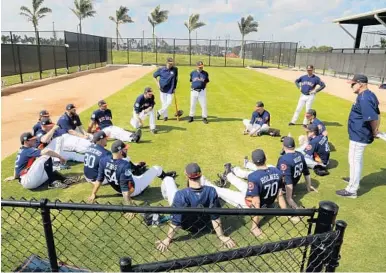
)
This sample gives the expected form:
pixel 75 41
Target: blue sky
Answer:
pixel 309 22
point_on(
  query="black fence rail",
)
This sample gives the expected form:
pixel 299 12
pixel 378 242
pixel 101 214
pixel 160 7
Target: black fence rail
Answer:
pixel 211 52
pixel 347 62
pixel 27 56
pixel 52 236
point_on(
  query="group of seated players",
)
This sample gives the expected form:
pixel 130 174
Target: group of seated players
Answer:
pixel 45 150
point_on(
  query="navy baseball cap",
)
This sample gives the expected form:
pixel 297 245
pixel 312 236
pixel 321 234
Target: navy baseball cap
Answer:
pixel 289 142
pixel 258 157
pixel 118 145
pixel 44 113
pixel 313 128
pixel 200 64
pixel 259 104
pixel 98 136
pixel 101 103
pixel 26 136
pixel 70 107
pixel 310 67
pixel 359 78
pixel 170 60
pixel 311 112
pixel 193 171
pixel 148 90
pixel 45 121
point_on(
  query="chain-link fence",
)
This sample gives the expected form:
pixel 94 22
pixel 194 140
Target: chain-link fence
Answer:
pixel 45 236
pixel 29 55
pixel 347 62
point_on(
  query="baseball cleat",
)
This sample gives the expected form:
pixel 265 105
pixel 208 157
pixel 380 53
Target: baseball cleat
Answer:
pixel 222 182
pixel 57 185
pixel 57 166
pixel 227 169
pixel 344 193
pixel 73 180
pixel 245 132
pixel 153 131
pixel 158 115
pixel 191 119
pixel 172 174
pixel 291 124
pixel 205 120
pixel 166 119
pixel 137 135
pixel 346 179
pixel 304 126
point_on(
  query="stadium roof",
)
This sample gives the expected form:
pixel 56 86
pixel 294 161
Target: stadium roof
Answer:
pixel 364 19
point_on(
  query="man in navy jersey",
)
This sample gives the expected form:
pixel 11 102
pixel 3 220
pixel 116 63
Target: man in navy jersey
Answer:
pixel 103 119
pixel 143 107
pixel 292 165
pixel 199 79
pixel 37 126
pixel 259 122
pixel 93 156
pixel 363 127
pixel 311 118
pixel 195 195
pixel 118 173
pixel 307 85
pixel 167 84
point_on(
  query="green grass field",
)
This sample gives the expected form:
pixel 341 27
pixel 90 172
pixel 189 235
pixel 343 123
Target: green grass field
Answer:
pixel 232 94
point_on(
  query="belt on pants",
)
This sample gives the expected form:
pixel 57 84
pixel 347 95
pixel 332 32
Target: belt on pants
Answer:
pixel 198 90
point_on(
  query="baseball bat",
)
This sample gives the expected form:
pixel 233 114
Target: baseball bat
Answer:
pixel 175 102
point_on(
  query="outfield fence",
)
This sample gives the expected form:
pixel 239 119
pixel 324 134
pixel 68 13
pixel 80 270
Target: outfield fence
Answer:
pixel 95 237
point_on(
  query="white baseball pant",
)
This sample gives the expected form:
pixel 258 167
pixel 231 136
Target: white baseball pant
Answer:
pixel 136 124
pixel 36 175
pixel 306 100
pixel 105 182
pixel 355 160
pixel 166 101
pixel 168 189
pixel 56 144
pixel 73 144
pixel 311 163
pixel 143 181
pixel 116 132
pixel 255 128
pixel 201 98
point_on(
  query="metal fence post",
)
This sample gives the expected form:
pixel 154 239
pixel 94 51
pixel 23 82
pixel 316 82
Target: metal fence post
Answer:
pixel 278 65
pixel 54 53
pixel 49 235
pixel 39 55
pixel 66 52
pixel 262 56
pixel 19 59
pixel 125 264
pixel 289 55
pixel 156 50
pixel 174 50
pixel 142 44
pixel 128 50
pixel 78 43
pixel 326 218
pixel 190 51
pixel 335 256
pixel 111 52
pixel 210 49
pixel 226 49
pixel 296 54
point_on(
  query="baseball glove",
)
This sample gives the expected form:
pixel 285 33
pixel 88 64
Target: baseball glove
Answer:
pixel 179 113
pixel 139 169
pixel 274 132
pixel 321 171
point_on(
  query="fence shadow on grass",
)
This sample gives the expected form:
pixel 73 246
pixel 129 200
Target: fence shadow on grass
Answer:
pixel 372 181
pixel 161 129
pixel 332 123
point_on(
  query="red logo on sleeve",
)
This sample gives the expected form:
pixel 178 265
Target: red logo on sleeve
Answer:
pixel 251 186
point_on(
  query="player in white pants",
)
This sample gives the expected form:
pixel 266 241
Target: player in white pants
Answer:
pixel 199 79
pixel 259 122
pixel 307 85
pixel 143 108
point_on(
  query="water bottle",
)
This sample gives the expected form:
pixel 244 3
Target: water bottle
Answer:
pixel 155 220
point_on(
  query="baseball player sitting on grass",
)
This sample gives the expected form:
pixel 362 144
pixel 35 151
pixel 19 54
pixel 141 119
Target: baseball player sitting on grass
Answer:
pixel 73 139
pixel 263 188
pixel 48 137
pixel 259 122
pixel 34 167
pixel 195 195
pixel 143 107
pixel 292 165
pixel 38 126
pixel 118 173
pixel 311 118
pixel 103 119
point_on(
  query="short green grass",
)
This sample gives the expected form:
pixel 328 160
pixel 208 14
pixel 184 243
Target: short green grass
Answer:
pixel 232 94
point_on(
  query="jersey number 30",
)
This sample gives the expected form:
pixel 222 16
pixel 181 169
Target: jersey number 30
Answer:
pixel 89 161
pixel 271 190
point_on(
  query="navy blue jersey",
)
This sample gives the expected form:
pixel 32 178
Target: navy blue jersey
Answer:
pixel 265 184
pixel 260 119
pixel 167 79
pixel 67 123
pixel 118 173
pixel 92 157
pixel 102 118
pixel 199 79
pixel 292 166
pixel 142 103
pixel 308 84
pixel 318 149
pixel 364 110
pixel 41 133
pixel 320 125
pixel 205 197
pixel 24 159
pixel 36 128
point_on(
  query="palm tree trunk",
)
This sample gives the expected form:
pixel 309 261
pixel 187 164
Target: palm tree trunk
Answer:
pixel 117 36
pixel 36 34
pixel 190 49
pixel 153 38
pixel 80 26
pixel 242 46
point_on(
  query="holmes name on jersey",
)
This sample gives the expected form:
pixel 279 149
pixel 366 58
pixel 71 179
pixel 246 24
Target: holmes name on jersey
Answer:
pixel 269 177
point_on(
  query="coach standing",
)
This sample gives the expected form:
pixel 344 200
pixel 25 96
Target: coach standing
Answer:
pixel 167 84
pixel 307 84
pixel 199 78
pixel 363 124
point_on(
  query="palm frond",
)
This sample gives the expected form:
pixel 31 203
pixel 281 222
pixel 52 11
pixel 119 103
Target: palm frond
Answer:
pixel 187 25
pixel 247 25
pixel 43 10
pixel 90 13
pixel 41 16
pixel 112 19
pixel 29 17
pixel 126 19
pixel 198 25
pixel 26 10
pixel 76 13
pixel 36 4
pixel 77 6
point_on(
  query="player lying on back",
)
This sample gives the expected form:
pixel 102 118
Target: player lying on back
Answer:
pixel 195 195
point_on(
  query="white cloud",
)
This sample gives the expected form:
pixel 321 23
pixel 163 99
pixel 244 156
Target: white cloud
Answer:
pixel 298 25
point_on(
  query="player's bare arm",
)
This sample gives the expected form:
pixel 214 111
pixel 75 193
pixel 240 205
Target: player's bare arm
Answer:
pixel 95 189
pixel 164 244
pixel 227 241
pixel 46 138
pixel 289 196
pixel 256 219
pixel 90 126
pixel 281 200
pixel 51 153
pixel 75 133
pixel 310 188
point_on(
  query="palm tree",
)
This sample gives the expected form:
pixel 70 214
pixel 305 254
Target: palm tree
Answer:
pixel 5 39
pixel 246 26
pixel 35 15
pixel 121 18
pixel 192 25
pixel 82 10
pixel 383 42
pixel 157 17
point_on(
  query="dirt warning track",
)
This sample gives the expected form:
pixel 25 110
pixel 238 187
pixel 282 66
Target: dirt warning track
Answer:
pixel 20 110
